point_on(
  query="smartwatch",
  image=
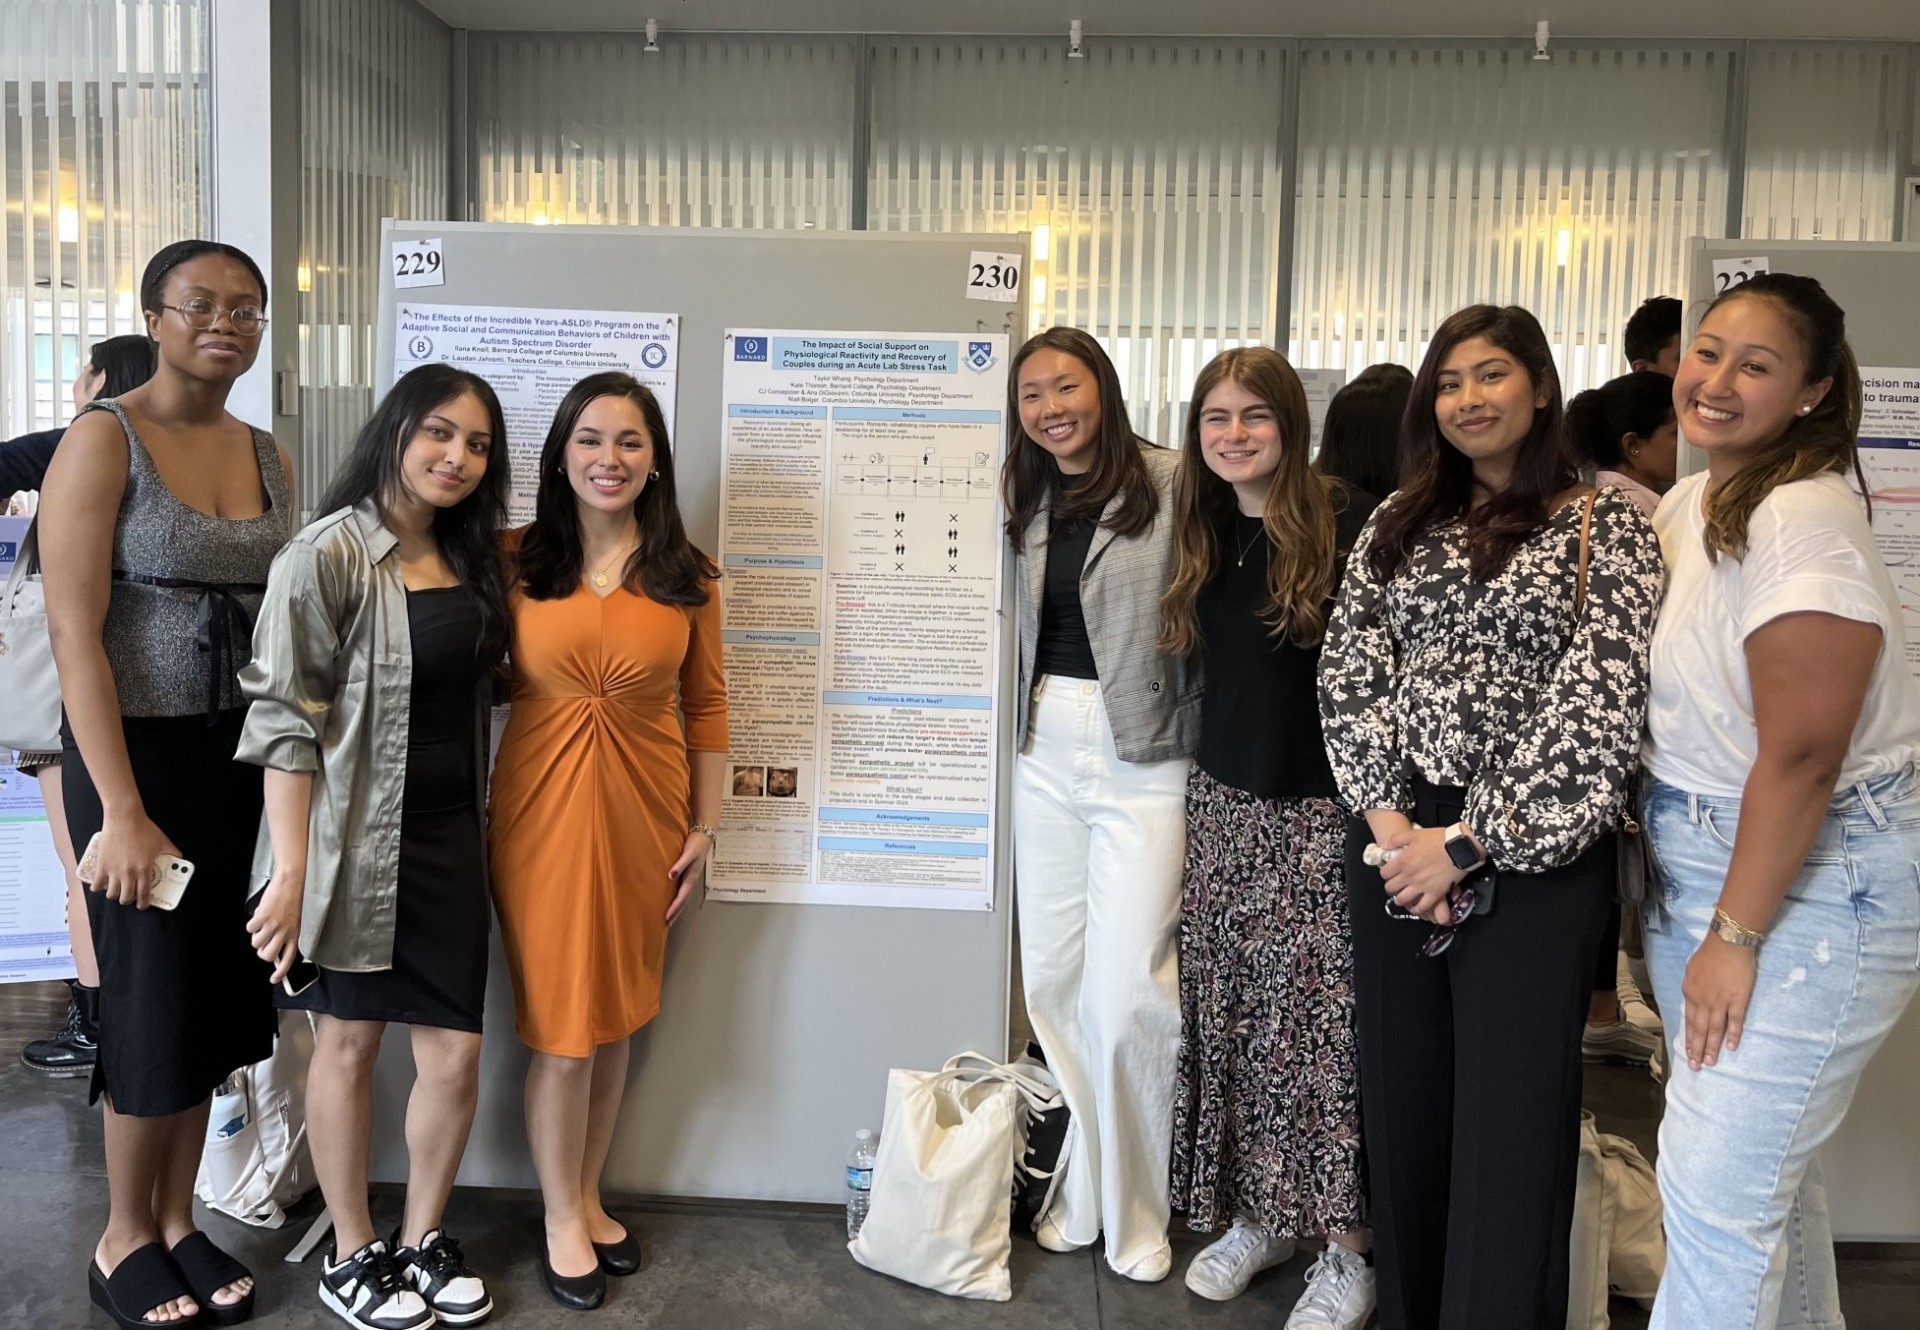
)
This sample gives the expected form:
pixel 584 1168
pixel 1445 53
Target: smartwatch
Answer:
pixel 1461 851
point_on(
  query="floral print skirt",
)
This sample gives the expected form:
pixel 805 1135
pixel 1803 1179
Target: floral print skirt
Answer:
pixel 1267 1111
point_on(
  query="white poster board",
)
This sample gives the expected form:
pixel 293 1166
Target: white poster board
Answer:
pixel 1890 455
pixel 532 357
pixel 33 887
pixel 860 532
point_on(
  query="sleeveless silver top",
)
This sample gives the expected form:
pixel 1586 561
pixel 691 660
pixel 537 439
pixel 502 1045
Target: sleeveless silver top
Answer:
pixel 186 586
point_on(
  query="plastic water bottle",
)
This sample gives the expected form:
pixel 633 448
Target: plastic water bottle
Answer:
pixel 859 1181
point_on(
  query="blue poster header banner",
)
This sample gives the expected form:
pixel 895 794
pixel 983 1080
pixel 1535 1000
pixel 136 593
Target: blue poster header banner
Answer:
pixel 872 355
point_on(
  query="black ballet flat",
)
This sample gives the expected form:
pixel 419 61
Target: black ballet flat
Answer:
pixel 620 1258
pixel 580 1292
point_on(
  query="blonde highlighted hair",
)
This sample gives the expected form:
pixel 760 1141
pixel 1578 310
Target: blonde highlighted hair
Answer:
pixel 1299 513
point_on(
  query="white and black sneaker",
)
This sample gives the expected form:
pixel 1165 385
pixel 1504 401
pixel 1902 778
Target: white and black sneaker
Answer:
pixel 367 1291
pixel 437 1272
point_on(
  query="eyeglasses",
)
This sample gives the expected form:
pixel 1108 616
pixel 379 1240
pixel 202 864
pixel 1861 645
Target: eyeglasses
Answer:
pixel 1460 904
pixel 247 320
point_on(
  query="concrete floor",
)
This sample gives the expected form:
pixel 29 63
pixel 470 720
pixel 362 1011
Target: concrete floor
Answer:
pixel 708 1267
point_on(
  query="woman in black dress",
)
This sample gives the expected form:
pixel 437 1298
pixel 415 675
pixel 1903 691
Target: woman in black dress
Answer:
pixel 373 662
pixel 162 513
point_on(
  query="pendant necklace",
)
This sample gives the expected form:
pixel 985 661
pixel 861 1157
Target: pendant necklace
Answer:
pixel 599 577
pixel 1246 547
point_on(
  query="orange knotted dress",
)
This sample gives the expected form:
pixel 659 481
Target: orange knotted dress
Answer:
pixel 590 803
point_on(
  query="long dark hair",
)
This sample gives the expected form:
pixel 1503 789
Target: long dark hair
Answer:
pixel 126 362
pixel 665 566
pixel 1599 418
pixel 1298 514
pixel 1826 439
pixel 1360 443
pixel 468 533
pixel 1438 487
pixel 1031 477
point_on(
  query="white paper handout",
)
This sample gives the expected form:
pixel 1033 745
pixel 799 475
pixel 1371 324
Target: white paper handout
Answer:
pixel 861 537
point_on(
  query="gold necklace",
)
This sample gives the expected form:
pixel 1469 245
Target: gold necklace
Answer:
pixel 599 577
pixel 1247 547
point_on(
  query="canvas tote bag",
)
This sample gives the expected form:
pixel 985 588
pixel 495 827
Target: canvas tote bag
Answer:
pixel 943 1175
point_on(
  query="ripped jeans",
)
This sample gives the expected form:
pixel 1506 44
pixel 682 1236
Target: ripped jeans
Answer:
pixel 1749 1244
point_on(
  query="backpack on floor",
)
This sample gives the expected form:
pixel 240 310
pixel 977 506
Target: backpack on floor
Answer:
pixel 256 1162
pixel 1037 1175
pixel 1619 1245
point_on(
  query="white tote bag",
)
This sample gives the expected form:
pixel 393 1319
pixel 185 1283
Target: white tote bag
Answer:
pixel 940 1213
pixel 1592 1235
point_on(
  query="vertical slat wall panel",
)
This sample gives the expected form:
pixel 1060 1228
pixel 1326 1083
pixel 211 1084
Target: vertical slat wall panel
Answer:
pixel 1433 177
pixel 104 157
pixel 1823 140
pixel 375 82
pixel 1149 172
pixel 709 131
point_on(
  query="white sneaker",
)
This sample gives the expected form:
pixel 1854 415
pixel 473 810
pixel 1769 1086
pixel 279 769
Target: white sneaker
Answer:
pixel 1623 1041
pixel 1046 1232
pixel 1339 1293
pixel 367 1292
pixel 1223 1270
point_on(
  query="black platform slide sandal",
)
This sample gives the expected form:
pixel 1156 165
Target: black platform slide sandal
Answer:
pixel 620 1258
pixel 207 1270
pixel 144 1279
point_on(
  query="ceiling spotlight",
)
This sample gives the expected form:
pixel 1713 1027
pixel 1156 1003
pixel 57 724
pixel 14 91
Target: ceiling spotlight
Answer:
pixel 1073 41
pixel 1540 41
pixel 653 37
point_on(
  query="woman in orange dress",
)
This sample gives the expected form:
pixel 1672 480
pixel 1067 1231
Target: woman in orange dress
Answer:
pixel 605 791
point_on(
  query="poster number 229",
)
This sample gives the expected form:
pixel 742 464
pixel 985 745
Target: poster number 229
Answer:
pixel 418 263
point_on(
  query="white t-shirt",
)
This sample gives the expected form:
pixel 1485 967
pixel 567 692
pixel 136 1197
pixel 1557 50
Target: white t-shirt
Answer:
pixel 1808 548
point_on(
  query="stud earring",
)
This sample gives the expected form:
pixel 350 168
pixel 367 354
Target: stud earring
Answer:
pixel 1805 409
pixel 653 475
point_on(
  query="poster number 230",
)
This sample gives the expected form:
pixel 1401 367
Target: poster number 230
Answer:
pixel 993 277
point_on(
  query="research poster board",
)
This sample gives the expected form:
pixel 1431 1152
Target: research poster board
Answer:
pixel 778 1021
pixel 860 533
pixel 532 356
pixel 1890 456
pixel 33 887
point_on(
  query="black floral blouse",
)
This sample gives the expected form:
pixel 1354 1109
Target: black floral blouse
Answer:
pixel 1493 686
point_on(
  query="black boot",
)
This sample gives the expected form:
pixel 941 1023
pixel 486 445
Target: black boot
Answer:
pixel 71 1052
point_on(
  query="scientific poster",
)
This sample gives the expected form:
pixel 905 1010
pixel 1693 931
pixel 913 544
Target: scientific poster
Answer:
pixel 1890 455
pixel 860 532
pixel 532 357
pixel 33 886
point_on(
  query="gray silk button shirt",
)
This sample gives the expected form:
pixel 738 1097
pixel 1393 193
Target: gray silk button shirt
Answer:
pixel 329 688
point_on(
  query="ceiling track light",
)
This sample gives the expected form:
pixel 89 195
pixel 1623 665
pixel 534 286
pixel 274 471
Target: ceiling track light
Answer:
pixel 1540 41
pixel 1074 51
pixel 653 37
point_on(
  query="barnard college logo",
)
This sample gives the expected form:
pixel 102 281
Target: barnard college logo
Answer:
pixel 750 348
pixel 980 355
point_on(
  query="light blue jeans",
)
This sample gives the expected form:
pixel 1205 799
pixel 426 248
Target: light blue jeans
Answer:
pixel 1749 1244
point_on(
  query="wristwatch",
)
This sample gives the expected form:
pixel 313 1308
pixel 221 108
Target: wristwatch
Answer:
pixel 1733 932
pixel 1461 851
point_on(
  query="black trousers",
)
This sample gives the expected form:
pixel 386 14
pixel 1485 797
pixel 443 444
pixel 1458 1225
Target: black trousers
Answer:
pixel 1470 1090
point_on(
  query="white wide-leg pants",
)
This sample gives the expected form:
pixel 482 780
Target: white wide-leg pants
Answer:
pixel 1099 846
